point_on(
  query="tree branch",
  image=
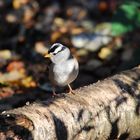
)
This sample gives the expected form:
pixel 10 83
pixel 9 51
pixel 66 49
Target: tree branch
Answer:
pixel 108 109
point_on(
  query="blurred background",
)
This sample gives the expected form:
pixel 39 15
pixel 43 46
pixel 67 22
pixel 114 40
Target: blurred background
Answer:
pixel 104 35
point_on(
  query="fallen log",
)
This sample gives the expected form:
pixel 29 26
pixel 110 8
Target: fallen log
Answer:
pixel 108 109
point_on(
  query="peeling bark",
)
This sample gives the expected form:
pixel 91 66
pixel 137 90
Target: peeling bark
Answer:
pixel 108 109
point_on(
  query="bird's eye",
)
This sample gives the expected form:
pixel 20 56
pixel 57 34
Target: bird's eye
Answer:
pixel 54 53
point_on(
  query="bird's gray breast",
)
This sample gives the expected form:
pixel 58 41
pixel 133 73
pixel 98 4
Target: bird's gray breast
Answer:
pixel 64 73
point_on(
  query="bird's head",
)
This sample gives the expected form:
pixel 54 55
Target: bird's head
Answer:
pixel 58 53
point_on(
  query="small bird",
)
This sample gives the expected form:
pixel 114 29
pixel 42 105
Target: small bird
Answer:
pixel 64 68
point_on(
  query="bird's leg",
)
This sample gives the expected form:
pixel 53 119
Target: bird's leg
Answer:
pixel 70 89
pixel 54 93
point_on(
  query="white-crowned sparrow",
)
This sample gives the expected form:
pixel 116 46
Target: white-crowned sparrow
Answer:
pixel 64 68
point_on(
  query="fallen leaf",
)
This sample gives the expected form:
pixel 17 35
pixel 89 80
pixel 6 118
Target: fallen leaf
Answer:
pixel 105 53
pixel 15 65
pixel 5 54
pixel 11 76
pixel 28 82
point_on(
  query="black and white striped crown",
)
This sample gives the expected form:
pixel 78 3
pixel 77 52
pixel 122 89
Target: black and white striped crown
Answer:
pixel 56 48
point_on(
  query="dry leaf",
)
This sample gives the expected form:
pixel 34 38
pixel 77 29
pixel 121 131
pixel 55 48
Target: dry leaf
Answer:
pixel 15 65
pixel 5 54
pixel 105 53
pixel 28 82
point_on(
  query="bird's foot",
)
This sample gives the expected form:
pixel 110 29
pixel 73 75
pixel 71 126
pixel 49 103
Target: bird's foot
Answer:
pixel 70 90
pixel 54 93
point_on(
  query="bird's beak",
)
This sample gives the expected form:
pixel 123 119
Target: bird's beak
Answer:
pixel 47 55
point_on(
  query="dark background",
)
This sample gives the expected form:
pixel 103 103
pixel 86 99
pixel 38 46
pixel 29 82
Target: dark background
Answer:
pixel 102 34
